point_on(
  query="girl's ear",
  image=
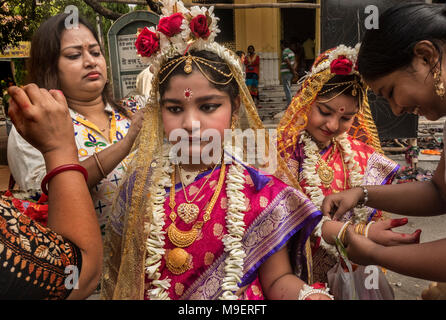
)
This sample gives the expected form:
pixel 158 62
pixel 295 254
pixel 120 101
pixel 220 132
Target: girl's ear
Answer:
pixel 426 53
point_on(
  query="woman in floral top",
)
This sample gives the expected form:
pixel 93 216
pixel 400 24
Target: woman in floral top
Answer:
pixel 72 61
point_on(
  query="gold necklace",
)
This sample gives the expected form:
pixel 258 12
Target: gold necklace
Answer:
pixel 189 211
pixel 324 171
pixel 178 259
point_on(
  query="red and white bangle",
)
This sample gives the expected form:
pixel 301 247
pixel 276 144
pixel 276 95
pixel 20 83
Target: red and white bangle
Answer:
pixel 57 170
pixel 307 291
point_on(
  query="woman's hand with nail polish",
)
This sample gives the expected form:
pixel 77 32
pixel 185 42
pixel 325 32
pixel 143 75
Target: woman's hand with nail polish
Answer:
pixel 381 232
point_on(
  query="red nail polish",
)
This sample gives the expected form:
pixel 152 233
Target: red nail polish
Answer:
pixel 398 222
pixel 417 235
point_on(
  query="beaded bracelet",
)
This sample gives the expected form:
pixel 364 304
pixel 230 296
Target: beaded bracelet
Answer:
pixel 362 203
pixel 307 291
pixel 60 169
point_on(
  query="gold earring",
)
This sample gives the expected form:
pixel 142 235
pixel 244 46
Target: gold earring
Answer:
pixel 439 85
pixel 234 121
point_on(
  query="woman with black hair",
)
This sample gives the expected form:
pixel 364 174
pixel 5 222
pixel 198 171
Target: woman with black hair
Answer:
pixel 410 74
pixel 72 61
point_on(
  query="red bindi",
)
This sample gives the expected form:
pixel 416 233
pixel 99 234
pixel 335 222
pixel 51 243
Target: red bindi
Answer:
pixel 187 93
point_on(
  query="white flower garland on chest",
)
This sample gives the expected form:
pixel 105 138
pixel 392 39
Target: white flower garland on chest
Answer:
pixel 155 215
pixel 314 188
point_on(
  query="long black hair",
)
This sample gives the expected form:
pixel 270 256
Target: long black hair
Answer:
pixel 401 27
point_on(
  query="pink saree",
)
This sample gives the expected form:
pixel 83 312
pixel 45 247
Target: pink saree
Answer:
pixel 275 213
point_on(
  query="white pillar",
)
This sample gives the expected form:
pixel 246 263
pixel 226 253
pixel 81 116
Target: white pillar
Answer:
pixel 269 69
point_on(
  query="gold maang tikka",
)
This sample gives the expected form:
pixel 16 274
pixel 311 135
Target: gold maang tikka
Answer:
pixel 188 64
pixel 188 60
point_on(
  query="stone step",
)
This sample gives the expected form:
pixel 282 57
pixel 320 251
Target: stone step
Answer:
pixel 272 105
pixel 274 94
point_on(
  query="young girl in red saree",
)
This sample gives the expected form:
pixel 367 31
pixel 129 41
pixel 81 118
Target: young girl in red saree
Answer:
pixel 329 141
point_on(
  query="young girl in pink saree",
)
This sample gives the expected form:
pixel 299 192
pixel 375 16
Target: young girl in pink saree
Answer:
pixel 214 230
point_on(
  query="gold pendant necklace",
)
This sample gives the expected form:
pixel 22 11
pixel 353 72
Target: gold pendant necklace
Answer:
pixel 189 211
pixel 178 260
pixel 324 171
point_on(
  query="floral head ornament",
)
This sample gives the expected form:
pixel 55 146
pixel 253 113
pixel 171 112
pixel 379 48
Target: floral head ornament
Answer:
pixel 179 31
pixel 339 61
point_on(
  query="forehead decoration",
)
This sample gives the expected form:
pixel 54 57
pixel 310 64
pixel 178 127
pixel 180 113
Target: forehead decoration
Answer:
pixel 179 33
pixel 187 93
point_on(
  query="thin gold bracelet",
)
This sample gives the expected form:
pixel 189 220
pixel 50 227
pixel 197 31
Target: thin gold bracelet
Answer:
pixel 99 165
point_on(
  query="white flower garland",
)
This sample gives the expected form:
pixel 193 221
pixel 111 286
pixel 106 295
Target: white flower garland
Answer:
pixel 154 228
pixel 314 191
pixel 232 241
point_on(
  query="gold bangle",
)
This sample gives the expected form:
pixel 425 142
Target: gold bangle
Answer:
pixel 359 228
pixel 343 231
pixel 99 165
pixel 366 233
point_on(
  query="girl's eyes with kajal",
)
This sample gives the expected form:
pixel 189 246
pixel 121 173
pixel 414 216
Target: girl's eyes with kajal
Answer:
pixel 322 112
pixel 209 107
pixel 174 109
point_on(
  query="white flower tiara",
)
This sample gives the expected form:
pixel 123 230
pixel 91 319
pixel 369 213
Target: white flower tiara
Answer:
pixel 179 31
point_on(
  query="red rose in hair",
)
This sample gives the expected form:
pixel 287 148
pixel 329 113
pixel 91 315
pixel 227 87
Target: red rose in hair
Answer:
pixel 171 25
pixel 147 43
pixel 199 26
pixel 318 285
pixel 341 66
